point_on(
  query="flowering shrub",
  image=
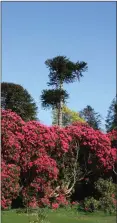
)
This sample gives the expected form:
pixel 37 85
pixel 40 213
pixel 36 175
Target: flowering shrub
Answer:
pixel 61 199
pixel 9 183
pixel 74 203
pixel 11 127
pixel 24 145
pixel 95 154
pixel 37 167
pixel 113 138
pixel 44 163
pixel 55 205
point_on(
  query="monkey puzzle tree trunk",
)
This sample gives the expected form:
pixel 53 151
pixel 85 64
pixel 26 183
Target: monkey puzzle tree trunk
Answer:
pixel 60 114
pixel 60 108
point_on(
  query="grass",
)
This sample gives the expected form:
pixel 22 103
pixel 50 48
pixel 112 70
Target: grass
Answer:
pixel 59 216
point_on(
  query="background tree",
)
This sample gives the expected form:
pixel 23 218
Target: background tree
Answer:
pixel 91 117
pixel 111 120
pixel 16 98
pixel 68 116
pixel 61 70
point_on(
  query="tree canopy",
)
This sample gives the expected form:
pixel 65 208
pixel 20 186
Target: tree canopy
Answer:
pixel 16 98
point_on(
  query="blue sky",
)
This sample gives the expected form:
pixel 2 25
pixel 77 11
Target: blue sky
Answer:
pixel 35 31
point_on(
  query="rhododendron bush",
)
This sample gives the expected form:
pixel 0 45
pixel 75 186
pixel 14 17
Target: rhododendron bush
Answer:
pixel 113 138
pixel 10 183
pixel 42 164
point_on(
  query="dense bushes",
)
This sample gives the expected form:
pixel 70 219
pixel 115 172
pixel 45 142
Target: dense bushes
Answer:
pixel 107 192
pixel 106 200
pixel 42 164
pixel 90 204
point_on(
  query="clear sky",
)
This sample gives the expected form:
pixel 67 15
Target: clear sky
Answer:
pixel 35 31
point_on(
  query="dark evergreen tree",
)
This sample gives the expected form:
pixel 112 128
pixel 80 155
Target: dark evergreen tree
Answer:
pixel 91 117
pixel 16 98
pixel 111 120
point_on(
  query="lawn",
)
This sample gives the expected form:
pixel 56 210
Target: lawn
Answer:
pixel 58 217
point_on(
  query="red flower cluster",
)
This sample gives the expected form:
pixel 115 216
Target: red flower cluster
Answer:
pixel 38 161
pixel 55 205
pixel 10 183
pixel 94 144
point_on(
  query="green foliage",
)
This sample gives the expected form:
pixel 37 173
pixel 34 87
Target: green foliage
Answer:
pixel 91 117
pixel 111 120
pixel 106 200
pixel 105 187
pixel 51 98
pixel 16 98
pixel 107 191
pixel 62 70
pixel 107 204
pixel 91 204
pixel 69 116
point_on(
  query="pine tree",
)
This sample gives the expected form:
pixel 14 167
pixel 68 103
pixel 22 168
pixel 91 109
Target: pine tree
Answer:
pixel 111 120
pixel 91 117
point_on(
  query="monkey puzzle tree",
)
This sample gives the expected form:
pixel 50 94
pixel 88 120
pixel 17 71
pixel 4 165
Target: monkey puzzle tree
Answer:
pixel 61 70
